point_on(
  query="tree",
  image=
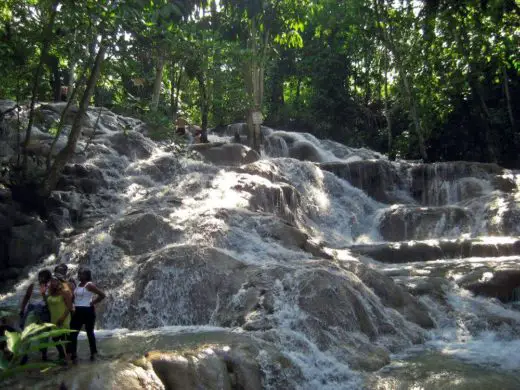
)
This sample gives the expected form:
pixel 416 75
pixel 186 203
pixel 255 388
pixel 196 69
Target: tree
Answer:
pixel 263 23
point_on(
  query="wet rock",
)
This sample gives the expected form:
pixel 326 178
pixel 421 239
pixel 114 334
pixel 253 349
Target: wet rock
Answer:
pixel 378 178
pixel 504 183
pixel 6 151
pixel 59 220
pixel 209 278
pixel 142 233
pixel 392 295
pixel 418 223
pixel 429 286
pixel 132 145
pixel 414 251
pixel 305 151
pixel 214 367
pixel 29 243
pixel 440 183
pixel 70 200
pixel 226 154
pixel 203 370
pixel 402 252
pixel 6 105
pixel 103 374
pixel 493 283
pixel 275 146
pixel 81 177
pixel 159 169
pixel 234 365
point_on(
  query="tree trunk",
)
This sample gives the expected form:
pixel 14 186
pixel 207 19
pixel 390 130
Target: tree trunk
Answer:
pixel 508 100
pixel 204 103
pixel 55 78
pixel 387 114
pixel 415 117
pixel 276 98
pixel 254 79
pixel 64 156
pixel 46 42
pixel 389 42
pixel 298 92
pixel 72 94
pixel 157 84
pixel 175 90
pixel 486 119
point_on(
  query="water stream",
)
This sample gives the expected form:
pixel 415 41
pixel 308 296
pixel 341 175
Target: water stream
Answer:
pixel 347 265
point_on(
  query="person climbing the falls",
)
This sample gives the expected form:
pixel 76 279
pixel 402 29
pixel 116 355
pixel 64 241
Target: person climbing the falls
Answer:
pixel 87 296
pixel 59 302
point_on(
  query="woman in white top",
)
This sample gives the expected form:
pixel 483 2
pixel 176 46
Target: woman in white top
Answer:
pixel 86 296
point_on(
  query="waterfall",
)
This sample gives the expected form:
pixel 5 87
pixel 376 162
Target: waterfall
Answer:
pixel 319 263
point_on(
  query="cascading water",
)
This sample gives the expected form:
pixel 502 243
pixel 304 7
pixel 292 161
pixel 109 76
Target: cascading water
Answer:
pixel 288 260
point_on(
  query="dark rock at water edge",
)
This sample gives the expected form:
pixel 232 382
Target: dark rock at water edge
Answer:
pixel 416 251
pixel 500 284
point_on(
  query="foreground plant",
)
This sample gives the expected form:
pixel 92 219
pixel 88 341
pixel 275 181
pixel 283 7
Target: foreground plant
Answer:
pixel 20 344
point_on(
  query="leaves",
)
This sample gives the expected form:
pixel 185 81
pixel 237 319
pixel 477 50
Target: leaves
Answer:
pixel 22 343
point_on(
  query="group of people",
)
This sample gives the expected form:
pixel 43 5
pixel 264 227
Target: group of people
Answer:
pixel 66 304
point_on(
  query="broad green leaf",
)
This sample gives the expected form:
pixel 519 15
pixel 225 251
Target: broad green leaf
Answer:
pixel 13 341
pixel 52 333
pixel 34 328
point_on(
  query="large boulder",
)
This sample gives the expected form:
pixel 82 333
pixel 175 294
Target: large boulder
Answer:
pixel 207 276
pixel 29 243
pixel 217 367
pixel 419 223
pixel 392 295
pixel 305 151
pixel 143 232
pixel 133 145
pixel 83 177
pixel 226 154
pixel 501 284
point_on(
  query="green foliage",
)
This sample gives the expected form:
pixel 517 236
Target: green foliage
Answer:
pixel 356 71
pixel 31 339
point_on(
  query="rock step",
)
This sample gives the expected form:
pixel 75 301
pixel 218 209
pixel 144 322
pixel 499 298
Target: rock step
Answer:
pixel 413 251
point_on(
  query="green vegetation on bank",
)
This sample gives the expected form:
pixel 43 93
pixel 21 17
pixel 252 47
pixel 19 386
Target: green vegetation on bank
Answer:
pixel 431 79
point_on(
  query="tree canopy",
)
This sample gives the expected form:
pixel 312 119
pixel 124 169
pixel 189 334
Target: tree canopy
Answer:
pixel 418 79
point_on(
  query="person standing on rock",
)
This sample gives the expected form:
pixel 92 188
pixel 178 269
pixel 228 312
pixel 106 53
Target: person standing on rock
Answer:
pixel 61 272
pixel 87 295
pixel 36 311
pixel 181 124
pixel 59 302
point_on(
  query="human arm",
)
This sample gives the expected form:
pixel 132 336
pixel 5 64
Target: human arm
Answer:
pixel 100 294
pixel 26 298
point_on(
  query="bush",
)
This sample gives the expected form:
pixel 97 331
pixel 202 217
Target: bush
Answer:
pixel 20 344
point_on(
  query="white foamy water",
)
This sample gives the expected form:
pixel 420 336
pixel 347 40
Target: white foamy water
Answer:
pixel 259 220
